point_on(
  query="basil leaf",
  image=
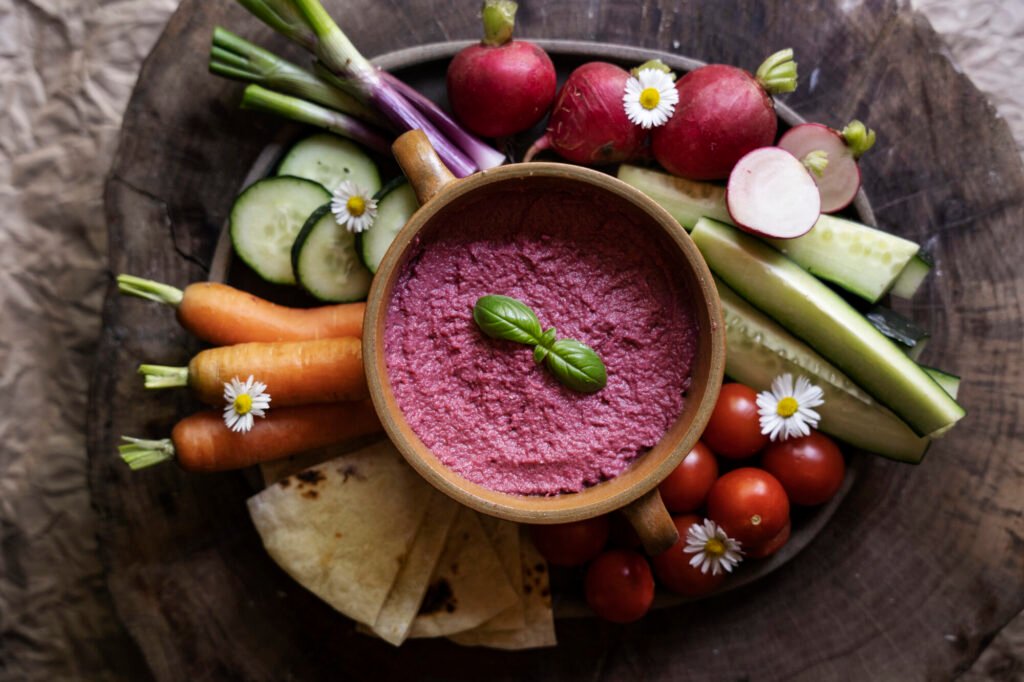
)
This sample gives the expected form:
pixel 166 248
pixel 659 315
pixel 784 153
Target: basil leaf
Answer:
pixel 577 366
pixel 544 346
pixel 501 317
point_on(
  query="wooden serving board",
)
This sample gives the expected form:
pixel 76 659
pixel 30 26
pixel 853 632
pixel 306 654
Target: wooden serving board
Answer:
pixel 920 566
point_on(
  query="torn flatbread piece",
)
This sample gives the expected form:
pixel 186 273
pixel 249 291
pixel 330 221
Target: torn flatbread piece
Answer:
pixel 540 621
pixel 468 587
pixel 343 529
pixel 504 537
pixel 403 601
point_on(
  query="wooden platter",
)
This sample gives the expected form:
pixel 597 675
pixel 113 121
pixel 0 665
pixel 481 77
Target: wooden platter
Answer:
pixel 920 566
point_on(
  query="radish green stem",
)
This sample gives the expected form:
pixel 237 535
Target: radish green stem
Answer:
pixel 139 453
pixel 261 99
pixel 816 162
pixel 778 73
pixel 499 21
pixel 234 57
pixel 282 16
pixel 859 138
pixel 161 376
pixel 148 289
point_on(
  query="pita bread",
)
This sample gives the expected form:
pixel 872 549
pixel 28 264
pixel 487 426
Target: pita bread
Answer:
pixel 403 601
pixel 504 537
pixel 540 621
pixel 468 586
pixel 343 529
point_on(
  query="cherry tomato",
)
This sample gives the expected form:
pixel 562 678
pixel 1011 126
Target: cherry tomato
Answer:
pixel 750 504
pixel 770 547
pixel 686 488
pixel 734 429
pixel 619 586
pixel 571 544
pixel 673 566
pixel 810 468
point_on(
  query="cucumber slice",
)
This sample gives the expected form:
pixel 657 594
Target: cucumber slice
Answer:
pixel 758 349
pixel 912 277
pixel 813 312
pixel 950 382
pixel 858 258
pixel 330 160
pixel 325 260
pixel 396 203
pixel 902 331
pixel 265 220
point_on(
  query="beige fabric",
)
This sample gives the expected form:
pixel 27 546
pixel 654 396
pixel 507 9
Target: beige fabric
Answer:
pixel 66 70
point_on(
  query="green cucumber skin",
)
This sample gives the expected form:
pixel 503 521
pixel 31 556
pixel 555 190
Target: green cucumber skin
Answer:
pixel 833 250
pixel 950 382
pixel 234 223
pixel 815 313
pixel 758 349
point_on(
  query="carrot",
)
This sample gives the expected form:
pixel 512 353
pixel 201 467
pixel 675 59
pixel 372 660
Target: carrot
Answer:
pixel 223 315
pixel 295 372
pixel 202 442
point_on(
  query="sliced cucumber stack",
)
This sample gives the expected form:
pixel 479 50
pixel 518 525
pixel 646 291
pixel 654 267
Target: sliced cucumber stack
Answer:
pixel 912 277
pixel 265 220
pixel 330 160
pixel 325 260
pixel 396 202
pixel 759 349
pixel 904 332
pixel 858 258
pixel 813 312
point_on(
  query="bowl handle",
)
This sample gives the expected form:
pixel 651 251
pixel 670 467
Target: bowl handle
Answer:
pixel 652 523
pixel 421 164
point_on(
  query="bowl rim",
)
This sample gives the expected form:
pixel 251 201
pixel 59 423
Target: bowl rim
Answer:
pixel 594 500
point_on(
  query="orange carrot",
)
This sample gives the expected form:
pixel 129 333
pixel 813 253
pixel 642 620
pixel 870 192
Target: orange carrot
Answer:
pixel 295 372
pixel 202 442
pixel 223 315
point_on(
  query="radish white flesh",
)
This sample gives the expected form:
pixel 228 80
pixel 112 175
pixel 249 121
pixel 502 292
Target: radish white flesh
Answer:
pixel 839 182
pixel 771 194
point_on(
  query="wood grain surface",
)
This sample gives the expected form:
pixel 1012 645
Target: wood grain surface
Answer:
pixel 920 567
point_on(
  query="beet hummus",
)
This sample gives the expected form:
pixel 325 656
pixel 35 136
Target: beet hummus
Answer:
pixel 482 405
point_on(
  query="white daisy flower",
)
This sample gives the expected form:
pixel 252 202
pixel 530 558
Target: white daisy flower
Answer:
pixel 650 98
pixel 353 207
pixel 786 409
pixel 712 548
pixel 244 401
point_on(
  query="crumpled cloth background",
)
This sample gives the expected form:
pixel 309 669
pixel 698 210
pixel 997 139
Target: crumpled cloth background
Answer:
pixel 67 68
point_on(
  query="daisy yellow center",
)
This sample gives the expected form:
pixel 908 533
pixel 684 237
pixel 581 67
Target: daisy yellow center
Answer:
pixel 714 547
pixel 356 206
pixel 649 98
pixel 243 404
pixel 787 407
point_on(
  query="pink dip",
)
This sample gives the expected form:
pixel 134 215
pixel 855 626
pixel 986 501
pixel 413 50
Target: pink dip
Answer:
pixel 482 405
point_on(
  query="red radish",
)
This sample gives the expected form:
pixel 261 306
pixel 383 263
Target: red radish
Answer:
pixel 831 156
pixel 588 124
pixel 723 113
pixel 772 194
pixel 500 86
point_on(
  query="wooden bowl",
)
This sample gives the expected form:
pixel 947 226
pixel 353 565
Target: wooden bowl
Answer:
pixel 442 196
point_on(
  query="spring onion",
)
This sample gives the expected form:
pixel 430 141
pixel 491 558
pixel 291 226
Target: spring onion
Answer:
pixel 259 98
pixel 234 57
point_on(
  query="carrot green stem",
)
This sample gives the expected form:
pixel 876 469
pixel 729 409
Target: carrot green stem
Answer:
pixel 778 73
pixel 162 376
pixel 859 138
pixel 816 162
pixel 139 453
pixel 148 289
pixel 499 21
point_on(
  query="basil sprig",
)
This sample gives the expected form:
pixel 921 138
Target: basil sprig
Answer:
pixel 573 363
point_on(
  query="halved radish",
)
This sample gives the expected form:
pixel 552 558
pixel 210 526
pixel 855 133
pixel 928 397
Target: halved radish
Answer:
pixel 838 178
pixel 772 194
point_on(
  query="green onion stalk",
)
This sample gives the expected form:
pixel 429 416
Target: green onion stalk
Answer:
pixel 259 98
pixel 234 57
pixel 301 19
